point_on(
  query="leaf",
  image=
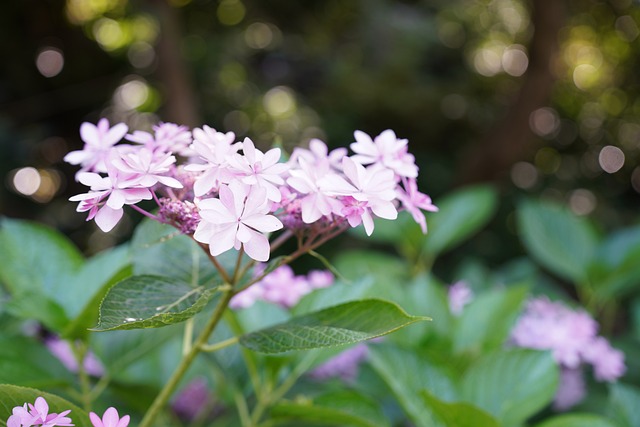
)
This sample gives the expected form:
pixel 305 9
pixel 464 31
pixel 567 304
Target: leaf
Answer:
pixel 339 408
pixel 560 241
pixel 407 373
pixel 460 215
pixel 486 322
pixel 347 323
pixel 458 414
pixel 150 302
pixel 576 420
pixel 160 250
pixel 12 396
pixel 382 267
pixel 511 385
pixel 623 405
pixel 27 362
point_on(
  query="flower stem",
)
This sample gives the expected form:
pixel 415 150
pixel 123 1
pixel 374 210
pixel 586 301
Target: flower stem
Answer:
pixel 219 345
pixel 185 363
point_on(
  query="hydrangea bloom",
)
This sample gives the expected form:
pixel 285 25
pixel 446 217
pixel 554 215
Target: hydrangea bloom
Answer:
pixel 37 414
pixel 110 418
pixel 231 195
pixel 571 335
pixel 61 349
pixel 344 365
pixel 192 400
pixel 460 294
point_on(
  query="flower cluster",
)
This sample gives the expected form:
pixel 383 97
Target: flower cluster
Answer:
pixel 571 335
pixel 229 194
pixel 281 287
pixel 459 295
pixel 343 366
pixel 37 414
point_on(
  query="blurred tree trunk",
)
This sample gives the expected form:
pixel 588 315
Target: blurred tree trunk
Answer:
pixel 510 140
pixel 180 103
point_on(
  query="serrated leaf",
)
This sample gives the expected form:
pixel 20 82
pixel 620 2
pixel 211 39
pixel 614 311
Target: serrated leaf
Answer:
pixel 150 302
pixel 457 414
pixel 577 420
pixel 407 373
pixel 340 408
pixel 511 385
pixel 460 215
pixel 12 396
pixel 347 323
pixel 559 240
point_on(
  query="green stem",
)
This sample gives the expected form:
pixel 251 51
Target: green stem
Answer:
pixel 80 352
pixel 185 363
pixel 210 348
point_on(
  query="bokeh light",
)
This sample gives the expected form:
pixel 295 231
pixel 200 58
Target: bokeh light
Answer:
pixel 611 159
pixel 582 201
pixel 50 61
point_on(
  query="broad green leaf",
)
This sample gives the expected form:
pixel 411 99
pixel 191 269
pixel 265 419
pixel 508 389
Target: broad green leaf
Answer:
pixel 161 250
pixel 457 414
pixel 31 304
pixel 150 302
pixel 339 408
pixel 486 322
pixel 577 420
pixel 346 323
pixel 615 270
pixel 559 240
pixel 623 405
pixel 511 385
pixel 382 267
pixel 27 362
pixel 461 214
pixel 80 327
pixel 407 374
pixel 12 396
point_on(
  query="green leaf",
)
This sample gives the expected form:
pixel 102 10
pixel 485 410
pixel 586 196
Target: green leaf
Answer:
pixel 347 323
pixel 382 267
pixel 557 239
pixel 26 362
pixel 12 396
pixel 486 322
pixel 150 302
pixel 577 420
pixel 407 374
pixel 160 250
pixel 511 385
pixel 458 414
pixel 339 408
pixel 623 405
pixel 460 215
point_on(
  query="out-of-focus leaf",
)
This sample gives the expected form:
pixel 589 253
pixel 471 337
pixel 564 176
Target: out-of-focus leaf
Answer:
pixel 12 396
pixel 30 304
pixel 461 214
pixel 339 408
pixel 557 239
pixel 346 323
pixel 407 374
pixel 577 420
pixel 381 267
pixel 150 302
pixel 623 405
pixel 486 322
pixel 457 414
pixel 511 385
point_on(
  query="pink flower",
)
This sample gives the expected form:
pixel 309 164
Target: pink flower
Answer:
pixel 110 418
pixel 344 365
pixel 37 414
pixel 168 138
pixel 413 201
pixel 215 148
pixel 61 349
pixel 318 153
pixel 608 363
pixel 192 400
pixel 261 169
pixel 387 150
pixel 460 294
pixel 99 140
pixel 571 389
pixel 237 219
pixel 145 168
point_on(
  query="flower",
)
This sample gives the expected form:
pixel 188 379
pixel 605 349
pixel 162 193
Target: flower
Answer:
pixel 215 148
pixel 99 140
pixel 571 389
pixel 144 168
pixel 237 219
pixel 110 418
pixel 344 365
pixel 387 150
pixel 192 400
pixel 61 349
pixel 460 294
pixel 413 201
pixel 37 414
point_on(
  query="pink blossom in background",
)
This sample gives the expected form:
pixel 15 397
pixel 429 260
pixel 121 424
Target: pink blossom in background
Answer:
pixel 61 349
pixel 571 335
pixel 110 418
pixel 344 365
pixel 459 295
pixel 192 400
pixel 571 389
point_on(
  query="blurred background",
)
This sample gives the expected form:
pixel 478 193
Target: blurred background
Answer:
pixel 539 97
